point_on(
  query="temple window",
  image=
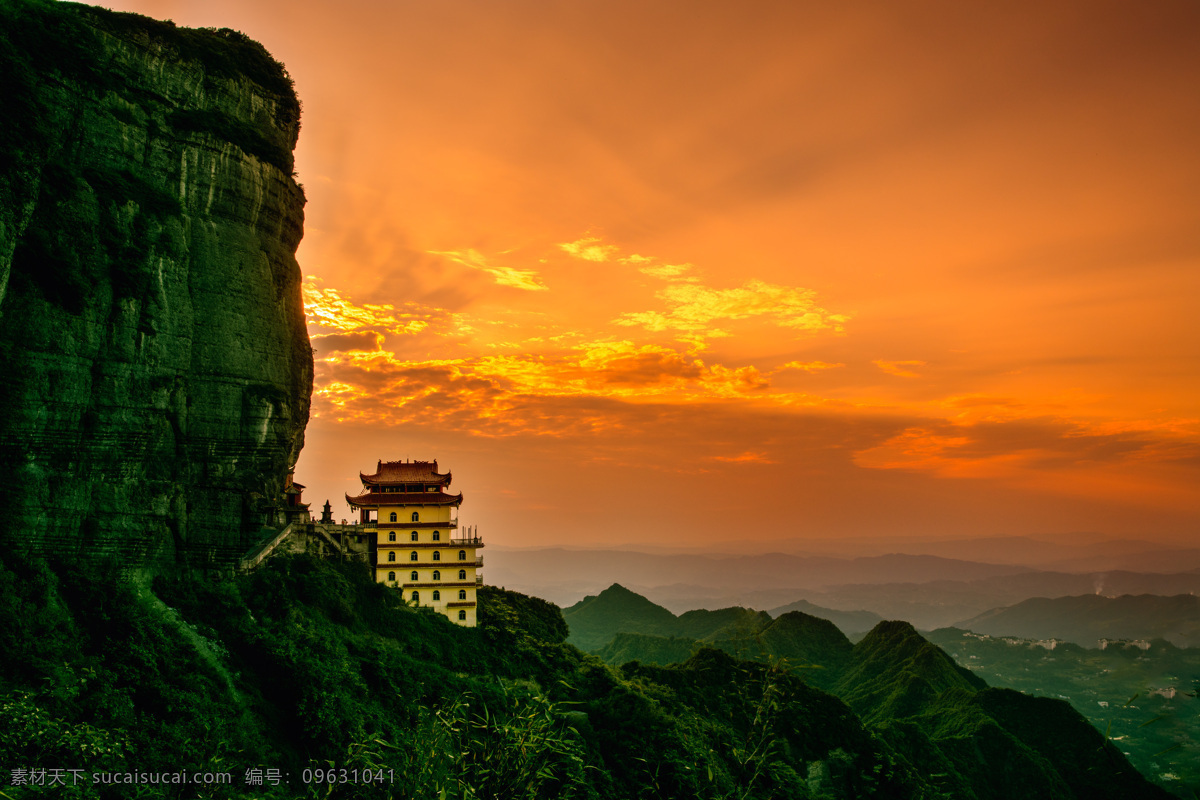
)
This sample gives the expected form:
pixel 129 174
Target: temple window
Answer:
pixel 414 576
pixel 437 555
pixel 413 536
pixel 462 594
pixel 391 555
pixel 412 556
pixel 416 517
pixel 392 516
pixel 462 614
pixel 462 574
pixel 462 555
pixel 437 575
pixel 392 576
pixel 437 536
pixel 437 595
pixel 391 536
pixel 416 597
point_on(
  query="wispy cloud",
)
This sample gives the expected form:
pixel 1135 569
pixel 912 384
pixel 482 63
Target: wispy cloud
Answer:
pixel 526 279
pixel 748 457
pixel 591 248
pixel 811 366
pixel 1046 455
pixel 897 368
pixel 674 272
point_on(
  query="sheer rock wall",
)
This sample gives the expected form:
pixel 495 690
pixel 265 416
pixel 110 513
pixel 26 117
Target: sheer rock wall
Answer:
pixel 156 367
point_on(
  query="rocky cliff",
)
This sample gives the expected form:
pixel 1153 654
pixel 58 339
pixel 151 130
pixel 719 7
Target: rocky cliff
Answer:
pixel 156 368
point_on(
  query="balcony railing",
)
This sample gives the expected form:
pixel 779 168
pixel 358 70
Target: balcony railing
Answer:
pixel 400 544
pixel 474 541
pixel 433 584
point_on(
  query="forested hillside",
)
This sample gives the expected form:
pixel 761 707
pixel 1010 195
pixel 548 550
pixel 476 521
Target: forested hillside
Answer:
pixel 905 689
pixel 1142 699
pixel 307 665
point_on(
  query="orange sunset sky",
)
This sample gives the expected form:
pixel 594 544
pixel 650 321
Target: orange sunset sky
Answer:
pixel 698 273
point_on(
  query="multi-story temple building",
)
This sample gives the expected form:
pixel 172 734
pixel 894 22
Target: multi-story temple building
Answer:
pixel 417 546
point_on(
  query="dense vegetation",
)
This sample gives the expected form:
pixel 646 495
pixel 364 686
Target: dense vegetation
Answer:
pixel 307 664
pixel 596 619
pixel 1144 700
pixel 974 741
pixel 43 43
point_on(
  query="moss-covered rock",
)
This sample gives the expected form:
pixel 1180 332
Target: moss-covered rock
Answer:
pixel 157 368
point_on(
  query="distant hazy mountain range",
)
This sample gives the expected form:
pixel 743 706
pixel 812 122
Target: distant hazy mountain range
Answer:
pixel 1063 553
pixel 746 572
pixel 1087 618
pixel 564 575
pixel 928 591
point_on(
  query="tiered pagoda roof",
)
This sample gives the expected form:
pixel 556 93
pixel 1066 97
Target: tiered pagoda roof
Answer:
pixel 391 473
pixel 370 499
pixel 396 483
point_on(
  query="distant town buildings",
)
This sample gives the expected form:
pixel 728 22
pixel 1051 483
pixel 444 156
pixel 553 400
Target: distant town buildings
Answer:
pixel 1140 644
pixel 1013 641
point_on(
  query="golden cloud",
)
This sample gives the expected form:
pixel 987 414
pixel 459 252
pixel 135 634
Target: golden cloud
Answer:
pixel 525 279
pixel 693 307
pixel 378 385
pixel 328 309
pixel 624 362
pixel 589 248
pixel 656 370
pixel 811 366
pixel 669 272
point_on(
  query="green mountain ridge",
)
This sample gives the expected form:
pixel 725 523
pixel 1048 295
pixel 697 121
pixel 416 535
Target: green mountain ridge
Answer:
pixel 589 618
pixel 849 622
pixel 894 673
pixel 909 692
pixel 596 619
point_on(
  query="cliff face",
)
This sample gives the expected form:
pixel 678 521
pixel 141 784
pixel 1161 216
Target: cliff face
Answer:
pixel 156 368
